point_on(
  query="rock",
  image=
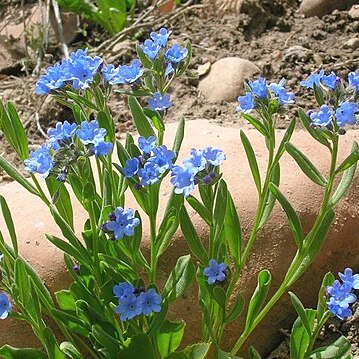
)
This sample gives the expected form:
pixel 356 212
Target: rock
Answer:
pixel 354 12
pixel 225 79
pixel 203 69
pixel 274 248
pixel 322 7
pixel 352 44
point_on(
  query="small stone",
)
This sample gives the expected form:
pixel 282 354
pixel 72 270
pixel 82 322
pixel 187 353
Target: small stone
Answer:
pixel 352 44
pixel 322 7
pixel 203 69
pixel 225 79
pixel 354 12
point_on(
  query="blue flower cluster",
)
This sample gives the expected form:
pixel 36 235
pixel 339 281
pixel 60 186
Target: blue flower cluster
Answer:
pixel 122 222
pixel 198 168
pixel 77 71
pixel 153 162
pixel 341 294
pixel 216 272
pixel 5 306
pixel 136 301
pixel 261 92
pixel 60 150
pixel 344 111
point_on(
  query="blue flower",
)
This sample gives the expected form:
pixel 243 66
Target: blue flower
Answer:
pixel 345 113
pixel 176 54
pixel 162 158
pixel 214 156
pixel 159 102
pixel 340 299
pixel 161 37
pixel 123 289
pixel 349 279
pixel 5 306
pixel 246 103
pixel 151 48
pixel 169 69
pixel 215 272
pixel 40 161
pixel 146 145
pixel 131 167
pixel 279 90
pixel 330 80
pixel 314 78
pixel 102 148
pixel 128 74
pixel 109 72
pixel 183 179
pixel 323 117
pixel 353 79
pixel 148 174
pixel 259 87
pixel 53 79
pixel 129 307
pixel 91 133
pixel 123 224
pixel 83 71
pixel 62 131
pixel 196 160
pixel 150 301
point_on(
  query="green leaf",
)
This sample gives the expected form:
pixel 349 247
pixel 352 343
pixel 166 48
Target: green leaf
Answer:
pixel 253 354
pixel 195 351
pixel 318 93
pixel 252 160
pixel 22 282
pixel 106 122
pixel 65 299
pixel 169 337
pixel 73 323
pixel 15 175
pixel 142 124
pixel 139 346
pixel 82 100
pixel 307 167
pixel 351 160
pixel 298 306
pixel 200 209
pixel 338 350
pixel 194 242
pixel 145 61
pixel 270 202
pixel 9 352
pixel 345 181
pixel 9 224
pixel 63 203
pixel 70 350
pixel 258 297
pixel 312 131
pixel 257 124
pixel 233 231
pixel 299 338
pixel 286 138
pixel 179 136
pixel 322 306
pixel 179 279
pixel 294 222
pixel 51 345
pixel 219 209
pixel 237 308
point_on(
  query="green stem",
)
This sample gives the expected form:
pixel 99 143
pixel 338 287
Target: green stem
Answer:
pixel 42 194
pixel 95 247
pixel 299 257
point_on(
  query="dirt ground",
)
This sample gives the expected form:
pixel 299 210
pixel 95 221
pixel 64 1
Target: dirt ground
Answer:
pixel 280 41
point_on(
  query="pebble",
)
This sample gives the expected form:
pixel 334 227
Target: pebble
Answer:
pixel 352 44
pixel 354 12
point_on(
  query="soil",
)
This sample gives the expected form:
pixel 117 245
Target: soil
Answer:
pixel 273 35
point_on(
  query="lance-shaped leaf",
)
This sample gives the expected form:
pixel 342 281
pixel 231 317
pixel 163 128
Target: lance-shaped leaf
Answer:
pixel 9 223
pixel 143 126
pixel 195 351
pixel 70 350
pixel 322 306
pixel 189 232
pixel 257 124
pixel 350 160
pixel 169 337
pixel 312 131
pixel 346 179
pixel 286 138
pixel 258 297
pixel 200 209
pixel 237 308
pixel 9 352
pixel 253 354
pixel 306 165
pixel 299 338
pixel 298 306
pixel 340 349
pixel 180 279
pixel 293 219
pixel 219 209
pixel 179 136
pixel 252 160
